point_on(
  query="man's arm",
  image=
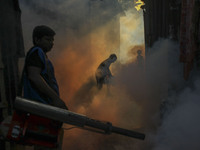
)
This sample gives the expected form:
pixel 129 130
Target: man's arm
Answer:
pixel 37 80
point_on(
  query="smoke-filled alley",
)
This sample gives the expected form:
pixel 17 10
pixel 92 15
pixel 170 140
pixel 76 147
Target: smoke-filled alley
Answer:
pixel 151 82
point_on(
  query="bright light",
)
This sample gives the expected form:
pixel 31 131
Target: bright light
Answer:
pixel 139 4
pixel 131 34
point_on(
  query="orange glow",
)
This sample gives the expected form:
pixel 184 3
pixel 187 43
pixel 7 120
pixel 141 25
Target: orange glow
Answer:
pixel 79 61
pixel 75 68
pixel 117 108
pixel 139 4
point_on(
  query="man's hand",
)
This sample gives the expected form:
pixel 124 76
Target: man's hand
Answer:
pixel 59 103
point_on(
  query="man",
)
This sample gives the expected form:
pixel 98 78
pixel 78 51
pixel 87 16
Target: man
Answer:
pixel 39 82
pixel 140 59
pixel 103 74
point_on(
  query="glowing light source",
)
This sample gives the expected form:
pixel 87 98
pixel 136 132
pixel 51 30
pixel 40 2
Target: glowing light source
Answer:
pixel 139 4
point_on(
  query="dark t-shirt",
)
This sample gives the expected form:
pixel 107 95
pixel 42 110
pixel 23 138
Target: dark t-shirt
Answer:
pixel 34 60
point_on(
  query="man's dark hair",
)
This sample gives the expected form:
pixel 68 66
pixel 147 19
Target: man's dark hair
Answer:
pixel 113 56
pixel 42 30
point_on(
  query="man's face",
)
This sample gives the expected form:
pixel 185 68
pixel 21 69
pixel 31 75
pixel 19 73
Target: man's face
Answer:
pixel 46 43
pixel 113 58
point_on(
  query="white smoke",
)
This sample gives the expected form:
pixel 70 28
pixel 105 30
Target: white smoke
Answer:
pixel 65 17
pixel 170 105
pixel 181 126
pixel 180 106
